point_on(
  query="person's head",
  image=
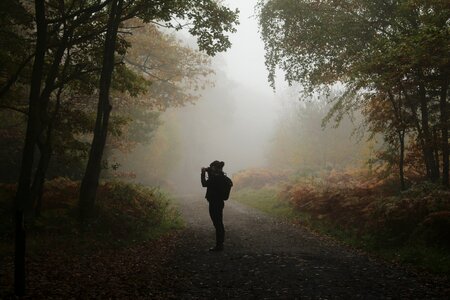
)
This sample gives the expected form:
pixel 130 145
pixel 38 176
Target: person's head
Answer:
pixel 217 166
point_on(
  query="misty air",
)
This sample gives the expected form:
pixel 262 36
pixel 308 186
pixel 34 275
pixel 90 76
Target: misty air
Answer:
pixel 224 149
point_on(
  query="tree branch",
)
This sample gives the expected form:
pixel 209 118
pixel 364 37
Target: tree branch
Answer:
pixel 88 11
pixel 14 109
pixel 14 78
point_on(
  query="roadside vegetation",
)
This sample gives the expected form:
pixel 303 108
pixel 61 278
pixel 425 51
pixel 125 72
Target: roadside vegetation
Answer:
pixel 132 231
pixel 125 214
pixel 410 227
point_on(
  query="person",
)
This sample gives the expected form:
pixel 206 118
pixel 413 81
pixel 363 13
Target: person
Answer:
pixel 215 199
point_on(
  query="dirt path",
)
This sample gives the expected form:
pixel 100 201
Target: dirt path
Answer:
pixel 268 259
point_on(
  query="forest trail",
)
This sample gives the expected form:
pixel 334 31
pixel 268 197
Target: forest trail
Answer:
pixel 265 258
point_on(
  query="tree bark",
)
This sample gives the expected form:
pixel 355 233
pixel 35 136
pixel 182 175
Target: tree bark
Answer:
pixel 19 254
pixel 401 136
pixel 90 180
pixel 417 124
pixel 33 125
pixel 444 127
pixel 46 150
pixel 428 141
pixel 400 129
pixel 436 146
pixel 44 140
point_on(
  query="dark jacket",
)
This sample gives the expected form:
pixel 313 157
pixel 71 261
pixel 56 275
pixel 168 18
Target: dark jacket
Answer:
pixel 213 186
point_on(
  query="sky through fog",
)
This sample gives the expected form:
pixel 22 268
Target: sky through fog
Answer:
pixel 234 121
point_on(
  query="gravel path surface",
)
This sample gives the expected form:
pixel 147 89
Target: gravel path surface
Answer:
pixel 268 259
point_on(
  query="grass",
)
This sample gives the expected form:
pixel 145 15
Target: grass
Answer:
pixel 266 200
pixel 414 252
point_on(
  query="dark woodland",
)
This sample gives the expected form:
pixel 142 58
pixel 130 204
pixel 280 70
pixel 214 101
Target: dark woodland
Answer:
pixel 110 110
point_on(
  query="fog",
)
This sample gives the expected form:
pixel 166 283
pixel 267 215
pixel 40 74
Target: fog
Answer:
pixel 242 121
pixel 234 120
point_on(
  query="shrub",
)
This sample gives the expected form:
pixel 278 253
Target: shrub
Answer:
pixel 410 226
pixel 127 210
pixel 369 208
pixel 434 229
pixel 123 212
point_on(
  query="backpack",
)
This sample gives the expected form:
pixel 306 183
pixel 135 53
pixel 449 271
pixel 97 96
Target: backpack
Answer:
pixel 226 187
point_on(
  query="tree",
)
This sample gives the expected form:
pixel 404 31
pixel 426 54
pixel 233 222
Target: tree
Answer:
pixel 23 189
pixel 172 74
pixel 371 47
pixel 62 55
pixel 386 115
pixel 15 59
pixel 210 21
pixel 176 72
pixel 89 183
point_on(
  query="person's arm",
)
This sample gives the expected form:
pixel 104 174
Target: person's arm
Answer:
pixel 203 178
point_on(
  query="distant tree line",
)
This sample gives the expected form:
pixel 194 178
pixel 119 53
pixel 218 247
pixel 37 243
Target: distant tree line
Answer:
pixel 392 57
pixel 63 64
pixel 302 143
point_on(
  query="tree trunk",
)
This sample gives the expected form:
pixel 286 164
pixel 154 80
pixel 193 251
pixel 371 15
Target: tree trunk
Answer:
pixel 19 254
pixel 401 136
pixel 39 179
pixel 46 150
pixel 428 141
pixel 33 125
pixel 444 127
pixel 436 146
pixel 90 180
pixel 419 130
pixel 397 111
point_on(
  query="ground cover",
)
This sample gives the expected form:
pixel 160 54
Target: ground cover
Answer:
pixel 409 227
pixel 132 231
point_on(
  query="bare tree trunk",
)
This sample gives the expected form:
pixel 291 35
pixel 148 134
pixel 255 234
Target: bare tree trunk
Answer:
pixel 444 127
pixel 33 125
pixel 90 180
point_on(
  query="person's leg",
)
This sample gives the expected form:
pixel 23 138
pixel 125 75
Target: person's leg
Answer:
pixel 220 229
pixel 216 214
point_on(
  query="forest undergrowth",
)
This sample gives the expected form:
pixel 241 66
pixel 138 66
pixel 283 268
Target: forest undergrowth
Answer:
pixel 409 227
pixel 125 213
pixel 132 231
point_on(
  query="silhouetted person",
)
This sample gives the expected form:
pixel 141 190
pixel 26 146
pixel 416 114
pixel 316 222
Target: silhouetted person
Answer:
pixel 214 194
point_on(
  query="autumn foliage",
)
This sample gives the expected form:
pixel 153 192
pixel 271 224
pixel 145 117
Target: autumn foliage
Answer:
pixel 370 207
pixel 360 207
